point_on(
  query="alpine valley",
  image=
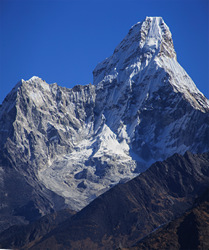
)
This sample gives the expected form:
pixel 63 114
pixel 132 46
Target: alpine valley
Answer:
pixel 76 156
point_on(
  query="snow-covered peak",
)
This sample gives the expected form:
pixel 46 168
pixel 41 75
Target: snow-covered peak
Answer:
pixel 144 42
pixel 146 35
pixel 146 58
pixel 35 84
pixel 33 78
pixel 11 98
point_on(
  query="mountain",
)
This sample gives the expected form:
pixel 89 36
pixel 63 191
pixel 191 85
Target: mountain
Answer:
pixel 64 147
pixel 129 211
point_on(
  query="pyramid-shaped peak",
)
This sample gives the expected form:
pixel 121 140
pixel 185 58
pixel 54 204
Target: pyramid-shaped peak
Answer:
pixel 152 35
pixel 145 41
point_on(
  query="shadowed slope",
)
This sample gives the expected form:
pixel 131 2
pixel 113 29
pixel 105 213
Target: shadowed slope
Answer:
pixel 130 211
pixel 190 231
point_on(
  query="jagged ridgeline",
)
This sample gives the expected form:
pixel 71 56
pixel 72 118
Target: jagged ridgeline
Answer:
pixel 63 147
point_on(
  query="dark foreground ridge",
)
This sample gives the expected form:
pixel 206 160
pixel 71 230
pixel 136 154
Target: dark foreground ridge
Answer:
pixel 128 212
pixel 190 231
pixel 19 236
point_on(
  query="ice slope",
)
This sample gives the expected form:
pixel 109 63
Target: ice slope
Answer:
pixel 79 142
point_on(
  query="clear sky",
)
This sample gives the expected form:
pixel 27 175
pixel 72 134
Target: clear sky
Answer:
pixel 63 40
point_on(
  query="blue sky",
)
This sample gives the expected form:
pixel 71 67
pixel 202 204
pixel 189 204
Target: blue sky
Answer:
pixel 63 40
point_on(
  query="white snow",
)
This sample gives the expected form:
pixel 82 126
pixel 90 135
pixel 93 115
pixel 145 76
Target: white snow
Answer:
pixel 154 37
pixel 60 174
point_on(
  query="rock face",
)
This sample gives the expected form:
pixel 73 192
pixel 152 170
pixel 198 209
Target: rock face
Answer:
pixel 129 211
pixel 70 145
